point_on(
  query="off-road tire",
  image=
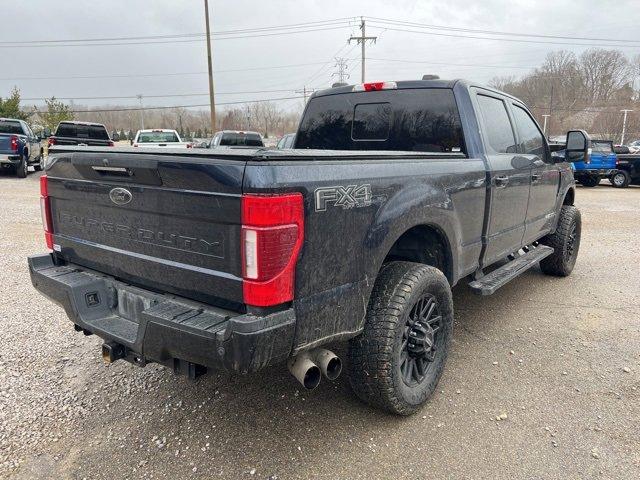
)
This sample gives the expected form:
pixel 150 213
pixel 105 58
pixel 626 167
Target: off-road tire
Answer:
pixel 620 179
pixel 374 358
pixel 22 168
pixel 590 181
pixel 565 242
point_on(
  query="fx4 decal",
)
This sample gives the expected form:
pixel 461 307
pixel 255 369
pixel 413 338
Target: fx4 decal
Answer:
pixel 345 197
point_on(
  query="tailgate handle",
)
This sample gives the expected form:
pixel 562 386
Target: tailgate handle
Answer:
pixel 113 171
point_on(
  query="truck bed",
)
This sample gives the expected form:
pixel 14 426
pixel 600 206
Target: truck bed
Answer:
pixel 177 229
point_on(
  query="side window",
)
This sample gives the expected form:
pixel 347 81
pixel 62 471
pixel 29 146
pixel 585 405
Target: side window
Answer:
pixel 531 139
pixel 497 125
pixel 289 142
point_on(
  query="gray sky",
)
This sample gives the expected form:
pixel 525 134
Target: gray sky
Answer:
pixel 475 59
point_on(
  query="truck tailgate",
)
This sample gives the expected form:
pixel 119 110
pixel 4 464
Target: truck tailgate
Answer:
pixel 164 222
pixel 5 143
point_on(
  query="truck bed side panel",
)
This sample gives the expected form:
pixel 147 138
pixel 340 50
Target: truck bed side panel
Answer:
pixel 346 243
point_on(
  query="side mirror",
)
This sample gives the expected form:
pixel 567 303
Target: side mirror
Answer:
pixel 578 146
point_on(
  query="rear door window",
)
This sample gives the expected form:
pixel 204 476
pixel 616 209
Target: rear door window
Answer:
pixel 418 119
pixel 497 126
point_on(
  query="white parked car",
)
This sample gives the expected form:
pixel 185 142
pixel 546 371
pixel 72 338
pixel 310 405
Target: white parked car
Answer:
pixel 159 138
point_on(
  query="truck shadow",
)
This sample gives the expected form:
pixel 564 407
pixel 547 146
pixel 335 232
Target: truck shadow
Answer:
pixel 272 416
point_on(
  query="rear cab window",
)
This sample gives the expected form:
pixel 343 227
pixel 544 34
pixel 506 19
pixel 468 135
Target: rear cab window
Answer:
pixel 157 137
pixel 232 139
pixel 415 119
pixel 9 126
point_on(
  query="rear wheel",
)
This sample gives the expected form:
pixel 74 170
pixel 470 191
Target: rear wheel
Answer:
pixel 396 362
pixel 22 168
pixel 620 179
pixel 590 181
pixel 40 165
pixel 565 242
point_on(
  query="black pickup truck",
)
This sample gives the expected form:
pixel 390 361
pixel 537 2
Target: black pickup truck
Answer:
pixel 628 168
pixel 81 133
pixel 239 259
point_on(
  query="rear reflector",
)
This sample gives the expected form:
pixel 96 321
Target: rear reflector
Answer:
pixel 45 210
pixel 272 236
pixel 374 86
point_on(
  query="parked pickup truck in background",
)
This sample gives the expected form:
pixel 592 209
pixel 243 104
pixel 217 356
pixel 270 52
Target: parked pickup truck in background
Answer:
pixel 85 134
pixel 19 147
pixel 236 139
pixel 239 259
pixel 628 168
pixel 159 138
pixel 600 164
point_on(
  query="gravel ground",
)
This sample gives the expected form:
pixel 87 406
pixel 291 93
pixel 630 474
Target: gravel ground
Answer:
pixel 543 381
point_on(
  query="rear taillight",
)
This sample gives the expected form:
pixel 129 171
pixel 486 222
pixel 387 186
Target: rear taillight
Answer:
pixel 189 145
pixel 135 144
pixel 14 143
pixel 374 86
pixel 52 141
pixel 45 209
pixel 110 144
pixel 272 236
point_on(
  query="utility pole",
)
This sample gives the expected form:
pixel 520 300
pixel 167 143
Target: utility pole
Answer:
pixel 139 96
pixel 211 93
pixel 624 123
pixel 341 65
pixel 305 92
pixel 544 127
pixel 362 40
pixel 550 107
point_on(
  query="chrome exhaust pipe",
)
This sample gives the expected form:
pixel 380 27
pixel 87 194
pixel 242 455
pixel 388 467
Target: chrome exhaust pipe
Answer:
pixel 329 363
pixel 306 372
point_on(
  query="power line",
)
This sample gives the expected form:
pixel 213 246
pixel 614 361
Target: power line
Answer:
pixel 143 75
pixel 496 32
pixel 319 23
pixel 450 35
pixel 190 40
pixel 169 95
pixel 135 109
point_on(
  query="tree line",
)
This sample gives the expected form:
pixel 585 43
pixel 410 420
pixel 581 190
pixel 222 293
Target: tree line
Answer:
pixel 267 118
pixel 585 91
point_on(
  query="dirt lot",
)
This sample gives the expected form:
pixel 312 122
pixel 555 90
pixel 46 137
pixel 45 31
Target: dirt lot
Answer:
pixel 559 357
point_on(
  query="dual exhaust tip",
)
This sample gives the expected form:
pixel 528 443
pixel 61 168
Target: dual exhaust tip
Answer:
pixel 309 367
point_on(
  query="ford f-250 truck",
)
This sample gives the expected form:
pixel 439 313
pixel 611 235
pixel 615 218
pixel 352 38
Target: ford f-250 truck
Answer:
pixel 239 259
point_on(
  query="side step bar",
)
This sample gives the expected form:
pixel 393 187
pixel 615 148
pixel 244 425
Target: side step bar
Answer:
pixel 494 280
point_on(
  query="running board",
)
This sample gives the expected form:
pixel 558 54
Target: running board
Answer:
pixel 494 280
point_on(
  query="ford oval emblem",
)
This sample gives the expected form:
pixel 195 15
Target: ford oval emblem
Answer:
pixel 120 196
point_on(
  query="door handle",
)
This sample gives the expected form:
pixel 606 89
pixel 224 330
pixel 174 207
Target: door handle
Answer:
pixel 502 181
pixel 535 177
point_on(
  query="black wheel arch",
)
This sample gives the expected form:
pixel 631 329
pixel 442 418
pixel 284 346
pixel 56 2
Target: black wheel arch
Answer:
pixel 426 244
